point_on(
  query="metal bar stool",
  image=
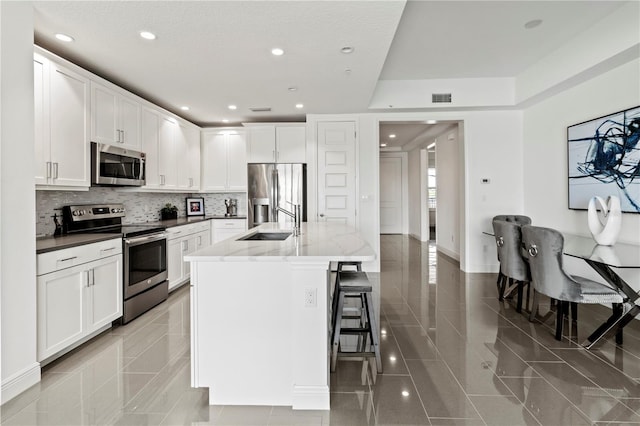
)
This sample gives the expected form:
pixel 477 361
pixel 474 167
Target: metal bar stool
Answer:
pixel 355 284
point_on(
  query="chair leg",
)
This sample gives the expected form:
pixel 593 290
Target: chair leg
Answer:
pixel 520 285
pixel 574 311
pixel 336 332
pixel 534 306
pixel 502 286
pixel 559 319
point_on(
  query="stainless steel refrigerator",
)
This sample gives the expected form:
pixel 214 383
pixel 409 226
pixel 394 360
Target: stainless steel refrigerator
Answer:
pixel 275 185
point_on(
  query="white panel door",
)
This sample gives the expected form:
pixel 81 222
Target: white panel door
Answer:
pixel 167 162
pixel 390 195
pixel 337 172
pixel 41 120
pixel 104 295
pixel 150 125
pixel 129 111
pixel 104 115
pixel 69 126
pixel 236 162
pixel 214 161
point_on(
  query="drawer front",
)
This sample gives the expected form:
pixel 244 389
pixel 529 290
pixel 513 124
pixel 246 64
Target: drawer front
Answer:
pixel 238 224
pixel 66 258
pixel 181 231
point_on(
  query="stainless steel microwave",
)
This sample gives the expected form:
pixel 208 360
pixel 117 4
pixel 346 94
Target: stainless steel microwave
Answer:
pixel 112 165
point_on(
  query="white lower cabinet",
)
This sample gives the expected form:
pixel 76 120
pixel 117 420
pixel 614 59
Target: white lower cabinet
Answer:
pixel 181 241
pixel 76 301
pixel 227 228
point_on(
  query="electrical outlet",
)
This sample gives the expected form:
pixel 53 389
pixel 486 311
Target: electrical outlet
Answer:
pixel 310 297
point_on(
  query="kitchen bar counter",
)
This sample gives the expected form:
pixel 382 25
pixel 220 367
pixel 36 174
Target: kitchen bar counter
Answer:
pixel 260 315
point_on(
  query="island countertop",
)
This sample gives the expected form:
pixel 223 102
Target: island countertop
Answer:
pixel 318 241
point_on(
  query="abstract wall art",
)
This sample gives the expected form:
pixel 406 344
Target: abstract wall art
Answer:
pixel 604 160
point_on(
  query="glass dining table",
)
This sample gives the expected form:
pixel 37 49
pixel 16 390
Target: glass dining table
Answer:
pixel 606 260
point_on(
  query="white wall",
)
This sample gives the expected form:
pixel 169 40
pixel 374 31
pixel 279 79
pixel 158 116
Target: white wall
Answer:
pixel 415 196
pixel 19 367
pixel 545 149
pixel 448 187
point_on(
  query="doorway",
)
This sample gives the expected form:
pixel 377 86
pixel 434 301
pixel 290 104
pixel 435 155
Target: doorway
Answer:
pixel 432 185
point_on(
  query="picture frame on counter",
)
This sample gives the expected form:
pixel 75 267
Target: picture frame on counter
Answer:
pixel 195 206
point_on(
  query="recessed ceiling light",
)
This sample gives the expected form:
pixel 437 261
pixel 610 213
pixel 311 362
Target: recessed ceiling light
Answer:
pixel 184 108
pixel 431 121
pixel 225 121
pixel 232 107
pixel 64 37
pixel 533 23
pixel 147 35
pixel 383 145
pixel 276 51
pixel 299 106
pixel 347 49
pixel 392 358
pixel 405 393
pixel 392 135
pixel 431 146
pixel 292 89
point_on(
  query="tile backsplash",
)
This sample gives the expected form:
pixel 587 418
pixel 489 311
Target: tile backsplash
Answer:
pixel 140 206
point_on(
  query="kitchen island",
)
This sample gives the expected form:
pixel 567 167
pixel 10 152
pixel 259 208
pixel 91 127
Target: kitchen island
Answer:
pixel 260 315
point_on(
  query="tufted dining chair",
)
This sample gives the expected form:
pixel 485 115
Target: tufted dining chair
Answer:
pixel 545 247
pixel 512 265
pixel 517 219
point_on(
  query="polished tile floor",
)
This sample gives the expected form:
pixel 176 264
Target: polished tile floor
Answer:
pixel 452 354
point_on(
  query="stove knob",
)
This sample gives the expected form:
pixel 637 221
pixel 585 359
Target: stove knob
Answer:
pixel 113 210
pixel 74 213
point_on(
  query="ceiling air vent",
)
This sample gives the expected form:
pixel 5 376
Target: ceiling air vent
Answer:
pixel 441 98
pixel 260 109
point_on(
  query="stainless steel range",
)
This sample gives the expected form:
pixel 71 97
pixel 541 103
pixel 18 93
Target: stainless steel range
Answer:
pixel 144 249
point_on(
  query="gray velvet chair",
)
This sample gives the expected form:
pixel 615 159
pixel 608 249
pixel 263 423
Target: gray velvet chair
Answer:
pixel 520 220
pixel 512 265
pixel 544 247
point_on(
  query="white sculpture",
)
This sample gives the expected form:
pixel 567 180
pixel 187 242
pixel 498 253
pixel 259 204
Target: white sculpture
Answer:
pixel 605 226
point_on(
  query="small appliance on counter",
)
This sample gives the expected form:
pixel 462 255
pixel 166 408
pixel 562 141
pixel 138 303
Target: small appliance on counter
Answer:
pixel 232 207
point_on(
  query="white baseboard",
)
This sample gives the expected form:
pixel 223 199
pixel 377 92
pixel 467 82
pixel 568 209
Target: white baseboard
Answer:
pixel 20 382
pixel 448 252
pixel 310 398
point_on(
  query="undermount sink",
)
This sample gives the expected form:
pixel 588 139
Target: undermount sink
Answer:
pixel 266 236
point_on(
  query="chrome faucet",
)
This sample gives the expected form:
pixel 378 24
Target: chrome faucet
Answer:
pixel 296 217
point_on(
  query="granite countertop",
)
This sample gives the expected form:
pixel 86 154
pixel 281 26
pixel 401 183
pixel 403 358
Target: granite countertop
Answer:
pixel 49 243
pixel 318 241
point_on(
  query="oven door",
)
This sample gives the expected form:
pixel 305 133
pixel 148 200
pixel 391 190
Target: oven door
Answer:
pixel 145 263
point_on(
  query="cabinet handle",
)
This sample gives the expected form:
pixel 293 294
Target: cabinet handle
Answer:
pixel 199 240
pixel 67 259
pixel 185 247
pixel 107 249
pixel 274 156
pixel 55 170
pixel 92 273
pixel 161 179
pixel 122 135
pixel 48 169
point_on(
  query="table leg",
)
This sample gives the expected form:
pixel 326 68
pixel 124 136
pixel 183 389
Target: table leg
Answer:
pixel 616 321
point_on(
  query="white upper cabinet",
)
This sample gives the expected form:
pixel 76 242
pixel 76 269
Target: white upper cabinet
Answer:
pixel 61 101
pixel 188 145
pixel 284 143
pixel 115 118
pixel 291 144
pixel 224 160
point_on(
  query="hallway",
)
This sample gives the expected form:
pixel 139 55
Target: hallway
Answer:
pixel 452 355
